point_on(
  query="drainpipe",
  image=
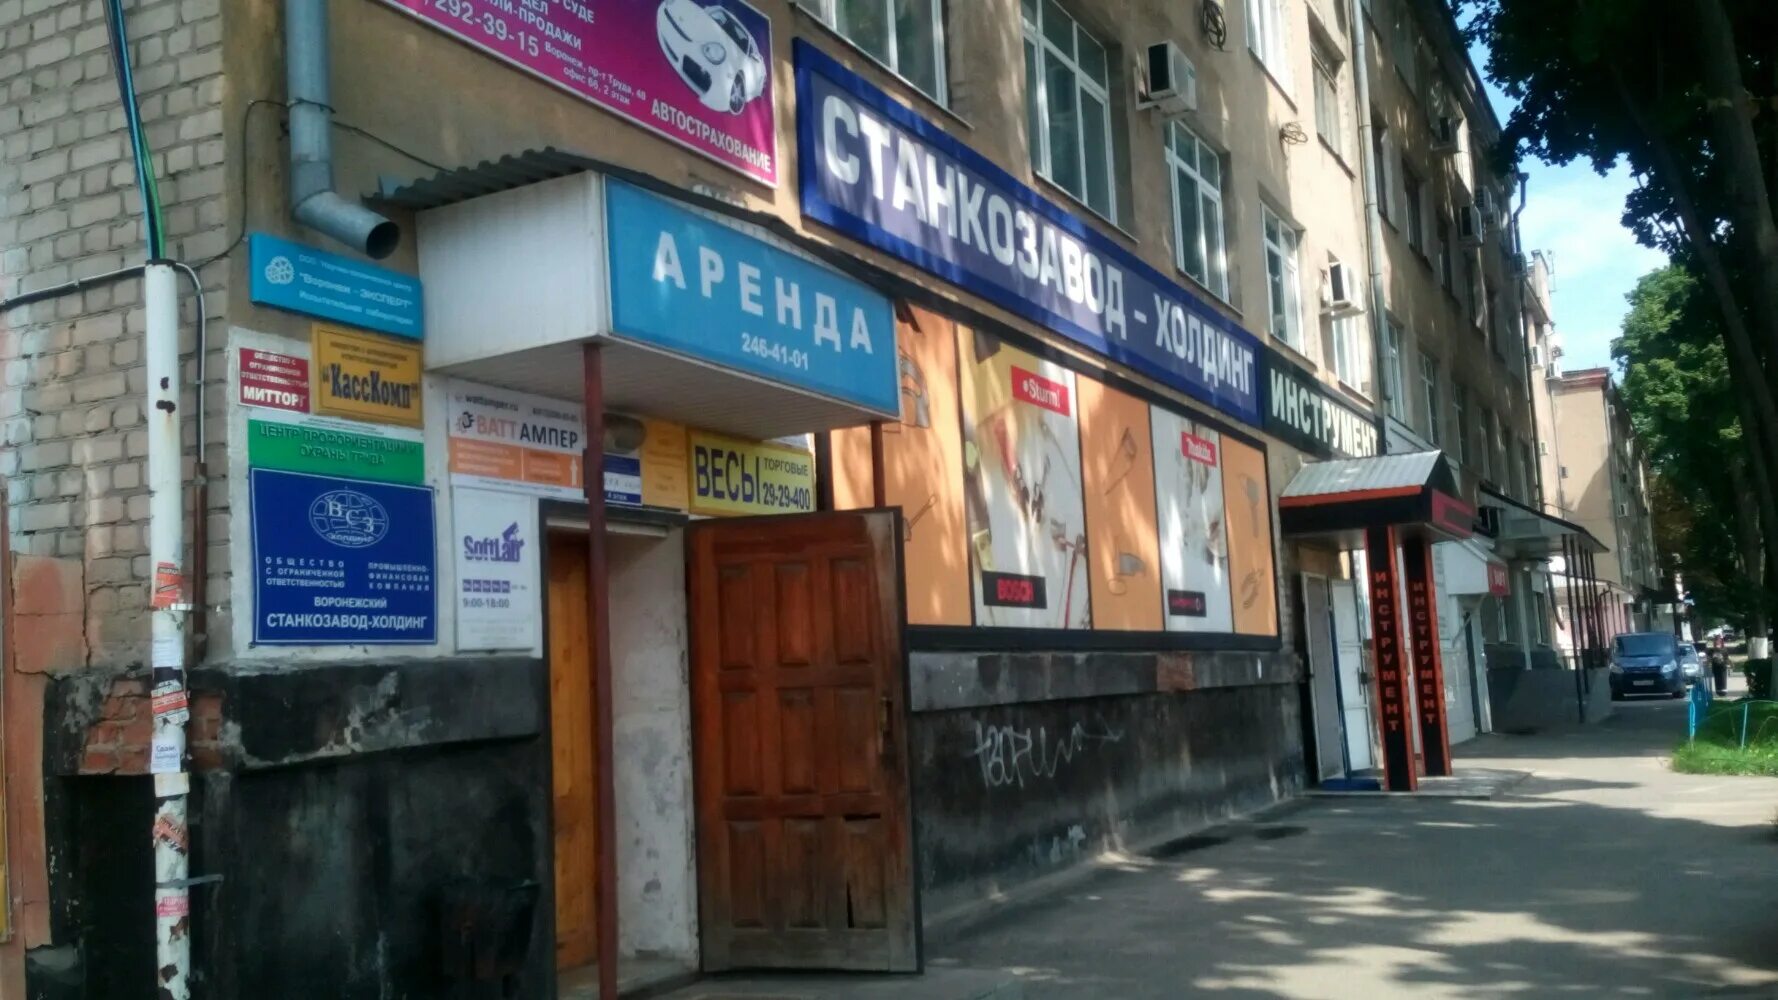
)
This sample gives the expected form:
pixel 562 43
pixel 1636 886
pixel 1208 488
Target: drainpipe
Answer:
pixel 313 201
pixel 1373 219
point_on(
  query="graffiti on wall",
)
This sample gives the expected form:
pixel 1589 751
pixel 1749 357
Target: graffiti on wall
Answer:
pixel 1016 756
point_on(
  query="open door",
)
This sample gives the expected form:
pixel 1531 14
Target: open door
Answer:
pixel 1355 687
pixel 799 703
pixel 1324 684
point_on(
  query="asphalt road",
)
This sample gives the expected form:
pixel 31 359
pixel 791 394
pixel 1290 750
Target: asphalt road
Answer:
pixel 1601 873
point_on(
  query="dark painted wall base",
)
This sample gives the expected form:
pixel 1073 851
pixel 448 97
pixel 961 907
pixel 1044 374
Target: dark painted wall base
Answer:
pixel 1011 791
pixel 358 807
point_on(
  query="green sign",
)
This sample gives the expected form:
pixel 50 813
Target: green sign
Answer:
pixel 327 451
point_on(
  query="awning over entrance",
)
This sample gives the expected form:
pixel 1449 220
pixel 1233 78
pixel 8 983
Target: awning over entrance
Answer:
pixel 707 319
pixel 1416 492
pixel 1528 533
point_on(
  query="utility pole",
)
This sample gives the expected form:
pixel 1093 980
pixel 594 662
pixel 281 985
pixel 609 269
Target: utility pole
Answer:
pixel 168 606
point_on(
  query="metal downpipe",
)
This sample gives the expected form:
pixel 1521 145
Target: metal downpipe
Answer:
pixel 313 200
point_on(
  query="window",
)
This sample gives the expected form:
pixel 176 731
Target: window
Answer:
pixel 1068 105
pixel 1330 120
pixel 1429 394
pixel 1351 351
pixel 906 36
pixel 1392 382
pixel 1529 457
pixel 1197 209
pixel 1381 145
pixel 1283 285
pixel 1413 221
pixel 1405 44
pixel 1460 411
pixel 1267 36
pixel 1484 454
pixel 1445 267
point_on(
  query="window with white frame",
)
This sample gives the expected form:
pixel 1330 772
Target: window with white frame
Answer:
pixel 1330 117
pixel 1382 164
pixel 906 36
pixel 1196 171
pixel 1068 105
pixel 1413 220
pixel 1283 280
pixel 1268 35
pixel 1351 351
pixel 1430 397
pixel 1392 381
pixel 1460 422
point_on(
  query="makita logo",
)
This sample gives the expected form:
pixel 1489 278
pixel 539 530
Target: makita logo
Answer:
pixel 505 548
pixel 271 397
pixel 369 388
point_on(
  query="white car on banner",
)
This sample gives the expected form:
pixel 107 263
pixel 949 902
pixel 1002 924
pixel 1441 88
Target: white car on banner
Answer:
pixel 713 52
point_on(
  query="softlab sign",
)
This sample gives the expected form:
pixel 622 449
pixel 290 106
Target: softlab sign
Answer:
pixel 874 170
pixel 341 561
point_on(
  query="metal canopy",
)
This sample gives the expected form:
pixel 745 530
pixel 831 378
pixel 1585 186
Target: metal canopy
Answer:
pixel 1415 492
pixel 1528 533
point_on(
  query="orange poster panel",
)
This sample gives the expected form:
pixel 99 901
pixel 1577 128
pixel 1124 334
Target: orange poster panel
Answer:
pixel 923 464
pixel 1123 540
pixel 1247 511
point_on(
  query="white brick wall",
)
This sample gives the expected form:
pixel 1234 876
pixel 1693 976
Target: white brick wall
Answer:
pixel 71 376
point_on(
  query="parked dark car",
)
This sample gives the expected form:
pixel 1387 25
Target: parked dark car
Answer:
pixel 1647 663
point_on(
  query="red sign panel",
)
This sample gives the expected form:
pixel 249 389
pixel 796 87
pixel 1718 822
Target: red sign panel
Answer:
pixel 1013 590
pixel 1391 663
pixel 1197 449
pixel 1033 388
pixel 1452 514
pixel 274 381
pixel 1429 670
pixel 1497 580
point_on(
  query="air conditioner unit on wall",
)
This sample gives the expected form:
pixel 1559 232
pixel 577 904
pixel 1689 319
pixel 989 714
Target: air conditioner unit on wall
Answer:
pixel 1469 225
pixel 1444 134
pixel 1172 80
pixel 1339 291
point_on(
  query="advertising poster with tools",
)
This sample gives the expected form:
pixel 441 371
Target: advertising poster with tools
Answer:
pixel 1248 521
pixel 923 471
pixel 1122 540
pixel 1022 487
pixel 1194 535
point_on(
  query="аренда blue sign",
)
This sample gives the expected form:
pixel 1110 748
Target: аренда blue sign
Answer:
pixel 342 561
pixel 694 285
pixel 876 171
pixel 287 275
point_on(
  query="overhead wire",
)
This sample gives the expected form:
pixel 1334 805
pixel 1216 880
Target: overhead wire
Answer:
pixel 154 232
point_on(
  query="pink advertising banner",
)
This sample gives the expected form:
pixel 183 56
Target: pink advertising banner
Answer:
pixel 696 71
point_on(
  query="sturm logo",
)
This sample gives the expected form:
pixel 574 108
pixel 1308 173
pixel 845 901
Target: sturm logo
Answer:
pixel 349 519
pixel 280 271
pixel 505 548
pixel 1039 391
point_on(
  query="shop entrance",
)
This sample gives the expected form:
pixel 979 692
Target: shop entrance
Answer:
pixel 799 729
pixel 1355 679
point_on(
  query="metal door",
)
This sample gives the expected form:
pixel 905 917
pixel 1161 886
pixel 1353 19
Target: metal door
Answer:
pixel 1354 674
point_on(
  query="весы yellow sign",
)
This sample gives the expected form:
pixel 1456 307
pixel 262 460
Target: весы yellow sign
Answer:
pixel 730 476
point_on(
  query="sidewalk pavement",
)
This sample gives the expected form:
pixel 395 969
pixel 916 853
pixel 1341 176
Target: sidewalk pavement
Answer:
pixel 1600 873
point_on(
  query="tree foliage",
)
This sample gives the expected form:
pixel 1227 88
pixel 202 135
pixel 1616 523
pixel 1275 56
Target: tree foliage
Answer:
pixel 1687 95
pixel 1681 401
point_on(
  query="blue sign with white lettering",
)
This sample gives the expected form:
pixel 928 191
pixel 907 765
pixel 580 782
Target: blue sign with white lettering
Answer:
pixel 289 275
pixel 699 287
pixel 873 169
pixel 342 561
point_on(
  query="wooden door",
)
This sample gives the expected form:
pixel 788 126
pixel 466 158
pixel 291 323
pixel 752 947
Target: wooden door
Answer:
pixel 798 685
pixel 572 743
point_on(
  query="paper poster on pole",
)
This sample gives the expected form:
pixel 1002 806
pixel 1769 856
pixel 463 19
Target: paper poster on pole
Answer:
pixel 497 570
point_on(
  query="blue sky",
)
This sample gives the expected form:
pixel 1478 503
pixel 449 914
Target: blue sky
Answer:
pixel 1575 216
